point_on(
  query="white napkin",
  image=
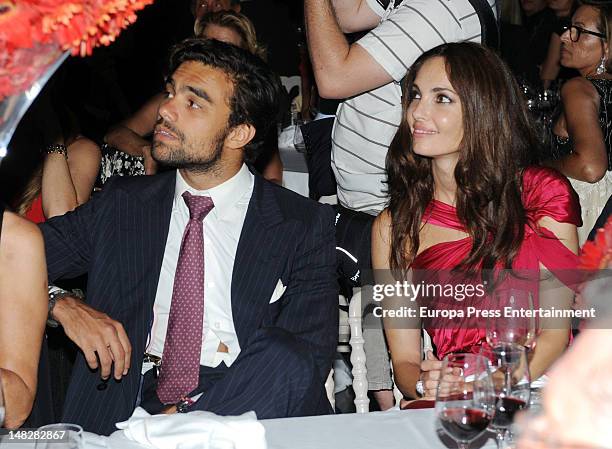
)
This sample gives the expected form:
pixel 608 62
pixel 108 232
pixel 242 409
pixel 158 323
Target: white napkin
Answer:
pixel 194 430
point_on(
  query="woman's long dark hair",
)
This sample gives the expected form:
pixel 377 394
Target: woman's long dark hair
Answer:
pixel 498 143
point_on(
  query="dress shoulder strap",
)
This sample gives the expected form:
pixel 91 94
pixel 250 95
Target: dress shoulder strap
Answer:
pixel 442 214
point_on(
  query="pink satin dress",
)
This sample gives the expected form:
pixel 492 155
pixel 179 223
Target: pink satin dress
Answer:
pixel 546 193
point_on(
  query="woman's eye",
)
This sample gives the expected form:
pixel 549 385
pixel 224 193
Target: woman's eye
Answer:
pixel 443 99
pixel 415 95
pixel 167 94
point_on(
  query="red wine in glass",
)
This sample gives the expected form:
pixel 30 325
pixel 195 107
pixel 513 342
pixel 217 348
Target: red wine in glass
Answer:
pixel 464 424
pixel 505 409
pixel 465 399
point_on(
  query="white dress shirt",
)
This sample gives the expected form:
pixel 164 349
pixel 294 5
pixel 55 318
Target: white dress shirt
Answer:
pixel 222 228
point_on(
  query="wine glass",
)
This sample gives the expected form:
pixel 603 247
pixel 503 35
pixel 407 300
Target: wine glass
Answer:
pixel 465 399
pixel 517 323
pixel 298 137
pixel 60 436
pixel 510 374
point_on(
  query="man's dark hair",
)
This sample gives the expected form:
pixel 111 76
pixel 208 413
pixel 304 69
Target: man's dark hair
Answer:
pixel 256 90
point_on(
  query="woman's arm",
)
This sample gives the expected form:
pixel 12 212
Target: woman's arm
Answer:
pixel 129 135
pixel 588 162
pixel 550 67
pixel 23 310
pixel 68 183
pixel 554 336
pixel 403 335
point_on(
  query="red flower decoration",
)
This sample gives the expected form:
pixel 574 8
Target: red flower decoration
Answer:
pixel 30 28
pixel 597 254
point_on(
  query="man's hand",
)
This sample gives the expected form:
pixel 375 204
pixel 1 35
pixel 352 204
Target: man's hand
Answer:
pixel 430 375
pixel 94 333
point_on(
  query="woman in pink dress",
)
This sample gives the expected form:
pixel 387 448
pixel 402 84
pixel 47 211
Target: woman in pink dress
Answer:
pixel 465 202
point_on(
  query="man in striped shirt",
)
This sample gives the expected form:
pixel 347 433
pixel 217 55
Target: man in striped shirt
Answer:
pixel 368 74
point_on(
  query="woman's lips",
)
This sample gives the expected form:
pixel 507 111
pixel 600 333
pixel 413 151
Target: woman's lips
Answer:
pixel 422 132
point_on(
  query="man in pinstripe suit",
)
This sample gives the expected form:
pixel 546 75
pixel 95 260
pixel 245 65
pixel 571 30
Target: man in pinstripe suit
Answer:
pixel 269 326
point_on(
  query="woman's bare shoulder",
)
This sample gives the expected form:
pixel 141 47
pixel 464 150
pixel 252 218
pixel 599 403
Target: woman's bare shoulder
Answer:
pixel 19 236
pixel 578 86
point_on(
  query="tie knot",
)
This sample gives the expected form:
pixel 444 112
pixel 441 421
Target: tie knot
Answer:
pixel 199 206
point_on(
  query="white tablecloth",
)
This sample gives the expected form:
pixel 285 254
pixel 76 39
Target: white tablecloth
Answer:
pixel 414 429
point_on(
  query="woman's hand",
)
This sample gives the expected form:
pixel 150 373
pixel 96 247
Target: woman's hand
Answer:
pixel 149 163
pixel 430 375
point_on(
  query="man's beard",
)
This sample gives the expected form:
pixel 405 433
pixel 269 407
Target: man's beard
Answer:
pixel 180 157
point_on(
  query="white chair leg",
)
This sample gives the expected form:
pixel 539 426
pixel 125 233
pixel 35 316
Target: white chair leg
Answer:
pixel 329 388
pixel 358 357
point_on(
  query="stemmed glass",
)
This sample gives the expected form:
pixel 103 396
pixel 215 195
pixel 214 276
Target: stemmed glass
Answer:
pixel 517 324
pixel 298 137
pixel 60 436
pixel 465 399
pixel 510 373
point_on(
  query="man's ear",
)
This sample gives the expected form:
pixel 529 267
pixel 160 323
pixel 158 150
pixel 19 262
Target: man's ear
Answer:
pixel 240 136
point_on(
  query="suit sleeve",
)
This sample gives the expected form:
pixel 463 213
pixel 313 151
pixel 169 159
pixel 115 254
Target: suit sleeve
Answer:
pixel 69 238
pixel 310 310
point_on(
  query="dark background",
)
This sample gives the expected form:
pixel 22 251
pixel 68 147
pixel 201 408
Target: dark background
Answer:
pixel 89 95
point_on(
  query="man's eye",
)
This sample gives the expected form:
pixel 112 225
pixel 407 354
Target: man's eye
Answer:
pixel 192 104
pixel 443 99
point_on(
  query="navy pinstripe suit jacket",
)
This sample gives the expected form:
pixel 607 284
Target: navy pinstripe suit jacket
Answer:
pixel 119 237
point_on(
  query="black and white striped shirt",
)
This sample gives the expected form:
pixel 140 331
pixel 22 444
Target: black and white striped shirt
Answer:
pixel 366 124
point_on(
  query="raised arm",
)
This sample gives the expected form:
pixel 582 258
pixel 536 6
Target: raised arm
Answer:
pixel 588 162
pixel 341 70
pixel 67 182
pixel 403 335
pixel 355 15
pixel 23 309
pixel 129 135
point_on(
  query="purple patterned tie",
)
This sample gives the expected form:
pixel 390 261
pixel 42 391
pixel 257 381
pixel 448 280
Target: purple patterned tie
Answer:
pixel 180 370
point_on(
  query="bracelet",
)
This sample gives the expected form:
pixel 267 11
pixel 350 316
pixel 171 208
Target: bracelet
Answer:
pixel 56 294
pixel 57 148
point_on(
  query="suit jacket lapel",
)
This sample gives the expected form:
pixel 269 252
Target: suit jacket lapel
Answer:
pixel 144 227
pixel 259 259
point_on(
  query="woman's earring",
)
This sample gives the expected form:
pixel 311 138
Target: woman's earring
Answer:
pixel 601 68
